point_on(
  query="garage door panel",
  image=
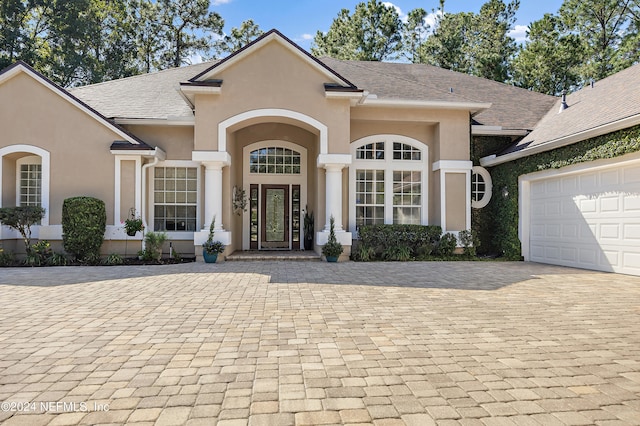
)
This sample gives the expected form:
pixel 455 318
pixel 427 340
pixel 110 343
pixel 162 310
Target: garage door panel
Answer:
pixel 588 219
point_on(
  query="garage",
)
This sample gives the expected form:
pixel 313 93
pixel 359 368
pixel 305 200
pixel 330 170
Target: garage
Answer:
pixel 585 216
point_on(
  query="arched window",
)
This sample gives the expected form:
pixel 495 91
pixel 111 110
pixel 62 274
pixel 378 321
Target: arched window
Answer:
pixel 388 181
pixel 274 160
pixel 481 187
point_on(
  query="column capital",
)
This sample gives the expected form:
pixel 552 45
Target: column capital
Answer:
pixel 334 161
pixel 212 159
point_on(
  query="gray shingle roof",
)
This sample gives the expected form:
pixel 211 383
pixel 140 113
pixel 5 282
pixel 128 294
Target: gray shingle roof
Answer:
pixel 512 107
pixel 155 95
pixel 611 99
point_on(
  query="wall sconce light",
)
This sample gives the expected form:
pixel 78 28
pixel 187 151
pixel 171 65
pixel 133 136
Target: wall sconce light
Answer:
pixel 505 192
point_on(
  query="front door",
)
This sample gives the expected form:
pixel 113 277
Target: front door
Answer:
pixel 275 217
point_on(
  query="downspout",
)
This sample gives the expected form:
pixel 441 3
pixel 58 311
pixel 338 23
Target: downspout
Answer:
pixel 143 205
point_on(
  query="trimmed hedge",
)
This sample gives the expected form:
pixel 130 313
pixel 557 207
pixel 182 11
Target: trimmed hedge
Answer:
pixel 402 242
pixel 501 215
pixel 84 221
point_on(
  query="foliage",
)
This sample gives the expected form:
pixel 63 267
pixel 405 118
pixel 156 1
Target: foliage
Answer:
pixel 446 245
pixel 39 253
pixel 470 241
pixel 7 258
pixel 239 200
pixel 22 219
pixel 477 44
pixel 84 221
pixel 211 246
pixel 372 33
pixel 605 28
pixel 114 259
pixel 309 224
pixel 333 248
pixel 396 242
pixel 153 245
pixel 238 38
pixel 133 223
pixel 414 33
pixel 549 61
pixel 503 212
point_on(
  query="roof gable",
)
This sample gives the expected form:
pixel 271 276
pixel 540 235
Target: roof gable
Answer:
pixel 21 67
pixel 269 37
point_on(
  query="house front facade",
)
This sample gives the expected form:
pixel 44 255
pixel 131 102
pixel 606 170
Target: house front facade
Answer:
pixel 255 141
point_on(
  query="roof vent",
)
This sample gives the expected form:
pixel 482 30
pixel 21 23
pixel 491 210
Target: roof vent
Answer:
pixel 592 83
pixel 563 104
pixel 450 89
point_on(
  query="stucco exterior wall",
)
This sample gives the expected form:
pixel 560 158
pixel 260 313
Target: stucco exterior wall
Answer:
pixel 81 164
pixel 456 199
pixel 175 141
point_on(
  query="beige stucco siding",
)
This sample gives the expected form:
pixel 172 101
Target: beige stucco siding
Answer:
pixel 272 77
pixel 127 189
pixel 456 201
pixel 175 141
pixel 81 163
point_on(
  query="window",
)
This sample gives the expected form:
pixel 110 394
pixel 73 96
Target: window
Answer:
pixel 175 198
pixel 387 181
pixel 29 181
pixel 369 197
pixel 407 194
pixel 274 160
pixel 481 187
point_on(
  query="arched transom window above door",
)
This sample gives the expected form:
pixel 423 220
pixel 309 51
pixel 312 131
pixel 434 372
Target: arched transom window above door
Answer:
pixel 388 181
pixel 274 160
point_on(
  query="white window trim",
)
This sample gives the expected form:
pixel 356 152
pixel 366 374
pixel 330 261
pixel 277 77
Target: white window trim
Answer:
pixel 389 165
pixel 176 235
pixel 28 160
pixel 488 187
pixel 45 159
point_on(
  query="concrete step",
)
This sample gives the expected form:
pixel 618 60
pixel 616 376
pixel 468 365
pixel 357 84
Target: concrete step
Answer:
pixel 298 255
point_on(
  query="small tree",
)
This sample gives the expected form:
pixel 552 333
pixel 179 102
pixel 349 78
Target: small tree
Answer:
pixel 84 221
pixel 22 219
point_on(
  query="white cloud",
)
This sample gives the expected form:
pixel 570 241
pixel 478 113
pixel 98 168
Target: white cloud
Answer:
pixel 306 37
pixel 432 18
pixel 196 58
pixel 519 33
pixel 219 2
pixel 401 14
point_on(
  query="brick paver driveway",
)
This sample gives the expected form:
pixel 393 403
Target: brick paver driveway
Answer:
pixel 284 343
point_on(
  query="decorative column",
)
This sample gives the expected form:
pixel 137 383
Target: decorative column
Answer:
pixel 214 162
pixel 213 194
pixel 333 164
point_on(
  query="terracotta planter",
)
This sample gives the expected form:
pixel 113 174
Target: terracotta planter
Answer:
pixel 209 257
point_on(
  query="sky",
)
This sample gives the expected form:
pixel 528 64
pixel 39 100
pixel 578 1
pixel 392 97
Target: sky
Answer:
pixel 300 19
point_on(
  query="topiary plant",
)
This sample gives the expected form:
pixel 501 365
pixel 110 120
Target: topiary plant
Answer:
pixel 22 219
pixel 84 221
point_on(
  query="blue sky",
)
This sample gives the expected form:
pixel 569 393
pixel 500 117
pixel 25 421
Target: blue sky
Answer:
pixel 300 19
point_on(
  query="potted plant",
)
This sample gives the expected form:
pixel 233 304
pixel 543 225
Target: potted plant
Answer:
pixel 210 248
pixel 239 200
pixel 333 249
pixel 308 229
pixel 133 224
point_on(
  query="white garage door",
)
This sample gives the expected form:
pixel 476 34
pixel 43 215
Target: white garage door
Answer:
pixel 585 218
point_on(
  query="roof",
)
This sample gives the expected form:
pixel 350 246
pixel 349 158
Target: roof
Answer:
pixel 150 96
pixel 611 104
pixel 512 107
pixel 156 95
pixel 22 67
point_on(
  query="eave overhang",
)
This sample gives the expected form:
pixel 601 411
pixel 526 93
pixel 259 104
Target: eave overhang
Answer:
pixel 125 148
pixel 473 107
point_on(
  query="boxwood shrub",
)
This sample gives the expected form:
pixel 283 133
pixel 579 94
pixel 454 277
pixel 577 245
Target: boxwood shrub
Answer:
pixel 397 242
pixel 84 221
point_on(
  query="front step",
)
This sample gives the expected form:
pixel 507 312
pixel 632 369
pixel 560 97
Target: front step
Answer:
pixel 274 255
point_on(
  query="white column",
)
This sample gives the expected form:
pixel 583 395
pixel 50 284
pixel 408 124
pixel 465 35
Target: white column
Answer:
pixel 334 196
pixel 213 195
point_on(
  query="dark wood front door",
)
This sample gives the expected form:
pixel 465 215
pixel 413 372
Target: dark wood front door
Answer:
pixel 275 217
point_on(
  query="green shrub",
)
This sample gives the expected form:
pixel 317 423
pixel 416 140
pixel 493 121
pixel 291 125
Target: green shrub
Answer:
pixel 7 258
pixel 39 254
pixel 153 245
pixel 362 252
pixel 84 221
pixel 22 219
pixel 447 245
pixel 397 242
pixel 470 241
pixel 114 259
